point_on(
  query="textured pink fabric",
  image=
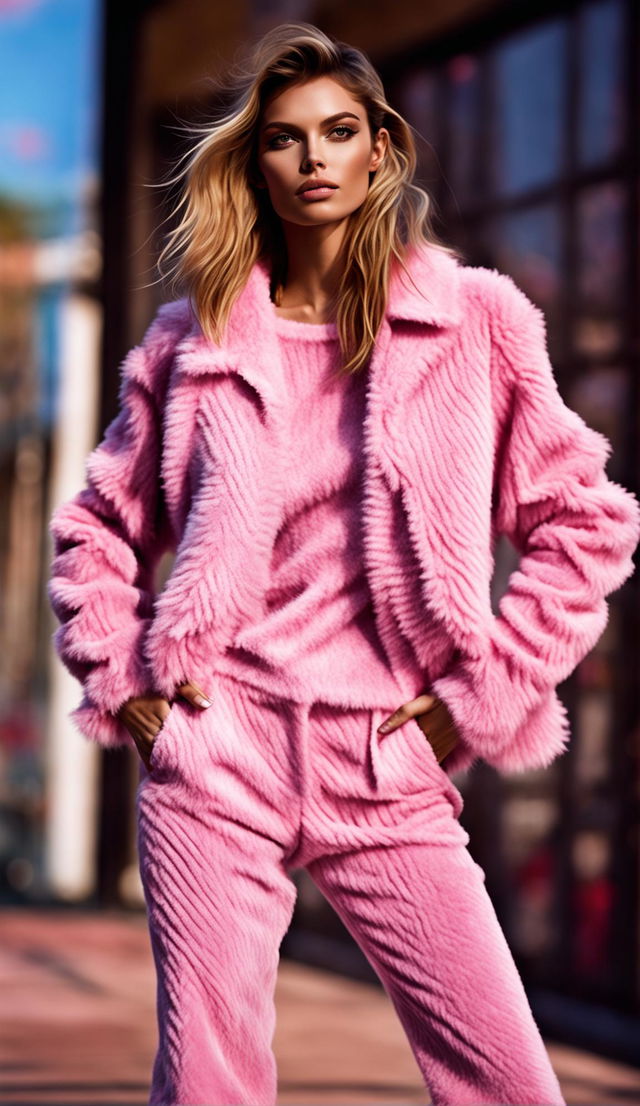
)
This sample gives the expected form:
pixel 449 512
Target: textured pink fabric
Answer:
pixel 316 637
pixel 253 787
pixel 466 437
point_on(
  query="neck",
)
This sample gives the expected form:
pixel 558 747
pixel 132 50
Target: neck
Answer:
pixel 314 267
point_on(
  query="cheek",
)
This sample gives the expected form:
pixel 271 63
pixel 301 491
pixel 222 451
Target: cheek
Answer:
pixel 280 183
pixel 272 168
pixel 355 169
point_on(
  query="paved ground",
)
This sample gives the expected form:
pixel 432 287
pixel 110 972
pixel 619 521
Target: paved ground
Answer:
pixel 77 1025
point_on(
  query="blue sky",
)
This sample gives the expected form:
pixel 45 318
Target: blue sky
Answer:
pixel 49 97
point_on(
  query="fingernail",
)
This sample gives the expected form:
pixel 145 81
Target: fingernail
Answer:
pixel 202 701
pixel 384 727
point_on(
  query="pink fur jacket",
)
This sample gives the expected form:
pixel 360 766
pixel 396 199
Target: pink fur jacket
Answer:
pixel 466 438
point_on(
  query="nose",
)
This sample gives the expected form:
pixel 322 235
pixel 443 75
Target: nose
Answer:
pixel 309 161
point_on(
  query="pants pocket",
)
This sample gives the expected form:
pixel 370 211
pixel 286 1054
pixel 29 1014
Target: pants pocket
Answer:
pixel 159 748
pixel 406 760
pixel 449 788
pixel 396 769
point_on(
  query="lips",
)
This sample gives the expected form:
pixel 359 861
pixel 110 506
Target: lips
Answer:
pixel 309 186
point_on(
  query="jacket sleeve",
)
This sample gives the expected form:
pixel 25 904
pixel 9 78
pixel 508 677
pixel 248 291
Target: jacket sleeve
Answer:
pixel 575 531
pixel 107 541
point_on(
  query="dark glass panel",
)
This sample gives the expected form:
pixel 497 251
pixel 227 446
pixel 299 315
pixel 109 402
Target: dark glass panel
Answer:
pixel 465 126
pixel 602 396
pixel 602 101
pixel 416 96
pixel 600 241
pixel 528 246
pixel 529 108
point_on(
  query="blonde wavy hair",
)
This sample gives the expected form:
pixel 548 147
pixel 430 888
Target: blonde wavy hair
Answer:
pixel 228 223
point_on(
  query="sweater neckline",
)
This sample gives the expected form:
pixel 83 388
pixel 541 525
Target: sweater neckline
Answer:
pixel 293 328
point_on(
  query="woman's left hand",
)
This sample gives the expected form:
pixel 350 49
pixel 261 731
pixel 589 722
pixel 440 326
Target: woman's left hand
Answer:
pixel 434 719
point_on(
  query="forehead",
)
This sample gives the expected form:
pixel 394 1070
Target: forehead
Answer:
pixel 310 100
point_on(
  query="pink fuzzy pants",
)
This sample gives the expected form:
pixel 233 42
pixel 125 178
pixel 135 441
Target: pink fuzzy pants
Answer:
pixel 252 787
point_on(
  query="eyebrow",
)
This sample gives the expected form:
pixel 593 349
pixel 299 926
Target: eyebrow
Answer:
pixel 329 119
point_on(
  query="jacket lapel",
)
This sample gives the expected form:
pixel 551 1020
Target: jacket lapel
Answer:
pixel 249 347
pixel 426 466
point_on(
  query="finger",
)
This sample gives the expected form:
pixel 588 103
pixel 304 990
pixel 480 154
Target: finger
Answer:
pixel 146 723
pixel 424 703
pixel 398 718
pixel 421 705
pixel 195 695
pixel 149 731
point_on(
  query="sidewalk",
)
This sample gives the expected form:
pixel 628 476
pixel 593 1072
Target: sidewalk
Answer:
pixel 77 1025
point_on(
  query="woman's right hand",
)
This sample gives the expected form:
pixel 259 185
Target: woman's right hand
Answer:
pixel 144 715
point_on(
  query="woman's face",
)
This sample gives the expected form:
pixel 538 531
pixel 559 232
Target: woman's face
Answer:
pixel 313 130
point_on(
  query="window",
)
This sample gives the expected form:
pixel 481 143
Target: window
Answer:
pixel 528 145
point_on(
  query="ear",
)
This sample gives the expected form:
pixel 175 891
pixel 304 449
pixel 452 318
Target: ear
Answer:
pixel 380 145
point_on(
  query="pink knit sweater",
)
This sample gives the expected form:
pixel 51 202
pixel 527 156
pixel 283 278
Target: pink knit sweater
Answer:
pixel 316 637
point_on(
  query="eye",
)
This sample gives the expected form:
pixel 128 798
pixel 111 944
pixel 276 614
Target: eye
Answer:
pixel 274 140
pixel 275 144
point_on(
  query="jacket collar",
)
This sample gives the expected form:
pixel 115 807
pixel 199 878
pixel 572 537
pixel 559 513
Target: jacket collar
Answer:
pixel 430 294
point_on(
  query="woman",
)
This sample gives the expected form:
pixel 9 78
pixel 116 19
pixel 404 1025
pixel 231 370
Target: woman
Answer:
pixel 329 432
